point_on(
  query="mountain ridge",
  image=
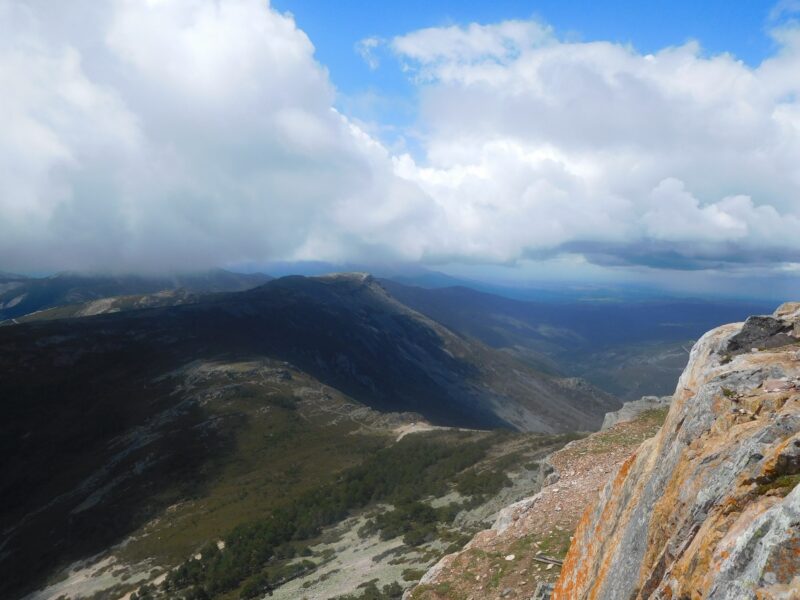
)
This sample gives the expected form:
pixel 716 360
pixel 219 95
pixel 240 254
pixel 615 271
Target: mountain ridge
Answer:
pixel 95 426
pixel 23 296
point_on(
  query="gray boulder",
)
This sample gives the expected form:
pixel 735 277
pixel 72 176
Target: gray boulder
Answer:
pixel 631 410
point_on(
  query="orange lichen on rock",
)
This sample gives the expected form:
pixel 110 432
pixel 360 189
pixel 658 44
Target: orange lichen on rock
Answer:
pixel 541 524
pixel 710 508
pixel 573 564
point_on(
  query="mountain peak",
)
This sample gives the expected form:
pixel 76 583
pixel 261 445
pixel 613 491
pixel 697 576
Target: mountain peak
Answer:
pixel 351 277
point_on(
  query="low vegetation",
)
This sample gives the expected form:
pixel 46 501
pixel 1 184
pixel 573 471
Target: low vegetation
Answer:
pixel 371 592
pixel 417 467
pixel 483 484
pixel 416 521
pixel 780 486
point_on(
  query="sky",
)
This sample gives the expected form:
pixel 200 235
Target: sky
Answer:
pixel 652 143
pixel 337 28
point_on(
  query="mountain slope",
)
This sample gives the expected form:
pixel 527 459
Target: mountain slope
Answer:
pixel 432 370
pixel 629 349
pixel 107 421
pixel 21 296
pixel 348 332
pixel 111 304
pixel 706 505
pixel 710 507
pixel 521 551
pixel 168 469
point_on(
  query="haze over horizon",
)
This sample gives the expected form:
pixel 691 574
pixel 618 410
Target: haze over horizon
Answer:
pixel 511 144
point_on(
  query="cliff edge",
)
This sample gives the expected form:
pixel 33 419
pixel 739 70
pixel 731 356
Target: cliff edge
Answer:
pixel 520 554
pixel 710 507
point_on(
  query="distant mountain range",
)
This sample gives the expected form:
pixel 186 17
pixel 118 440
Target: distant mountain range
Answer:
pixel 629 348
pixel 349 333
pixel 24 295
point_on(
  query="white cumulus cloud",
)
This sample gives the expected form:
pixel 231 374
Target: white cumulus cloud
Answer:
pixel 536 145
pixel 181 134
pixel 149 134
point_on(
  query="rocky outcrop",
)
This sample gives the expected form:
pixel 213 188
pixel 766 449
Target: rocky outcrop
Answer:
pixel 513 559
pixel 630 410
pixel 710 507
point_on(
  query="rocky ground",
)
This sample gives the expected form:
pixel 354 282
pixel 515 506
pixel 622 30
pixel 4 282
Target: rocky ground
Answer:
pixel 505 561
pixel 347 558
pixel 710 507
pixel 633 408
pixel 344 557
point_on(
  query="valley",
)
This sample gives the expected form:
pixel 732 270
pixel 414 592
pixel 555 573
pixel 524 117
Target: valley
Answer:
pixel 629 348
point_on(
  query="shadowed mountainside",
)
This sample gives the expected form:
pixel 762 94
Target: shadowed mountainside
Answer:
pixel 349 333
pixel 627 348
pixel 96 438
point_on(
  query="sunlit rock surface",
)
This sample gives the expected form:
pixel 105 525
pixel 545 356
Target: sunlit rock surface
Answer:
pixel 710 507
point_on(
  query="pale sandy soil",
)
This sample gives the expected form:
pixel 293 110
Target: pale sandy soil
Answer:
pixel 421 427
pixel 84 578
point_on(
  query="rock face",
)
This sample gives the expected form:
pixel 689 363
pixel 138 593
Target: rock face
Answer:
pixel 630 410
pixel 506 562
pixel 710 507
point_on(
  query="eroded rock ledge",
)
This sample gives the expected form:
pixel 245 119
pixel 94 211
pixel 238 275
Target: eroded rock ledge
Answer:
pixel 710 507
pixel 630 410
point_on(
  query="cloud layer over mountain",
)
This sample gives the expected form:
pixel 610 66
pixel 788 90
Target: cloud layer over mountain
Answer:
pixel 148 134
pixel 181 133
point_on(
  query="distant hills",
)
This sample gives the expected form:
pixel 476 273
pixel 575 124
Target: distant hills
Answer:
pixel 628 348
pixel 23 295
